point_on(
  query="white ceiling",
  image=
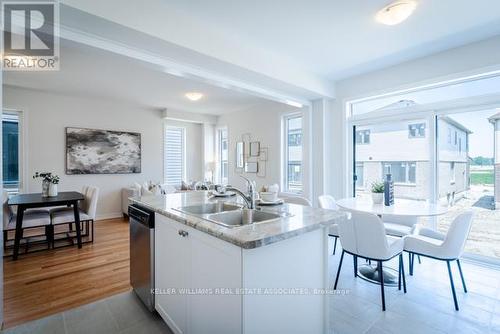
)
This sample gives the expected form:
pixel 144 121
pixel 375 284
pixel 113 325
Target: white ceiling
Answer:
pixel 338 37
pixel 331 38
pixel 87 71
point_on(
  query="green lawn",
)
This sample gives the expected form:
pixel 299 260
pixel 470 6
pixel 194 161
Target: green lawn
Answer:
pixel 486 177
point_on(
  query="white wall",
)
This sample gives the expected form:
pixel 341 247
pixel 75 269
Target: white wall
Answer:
pixel 194 151
pixel 391 142
pixel 46 116
pixel 264 125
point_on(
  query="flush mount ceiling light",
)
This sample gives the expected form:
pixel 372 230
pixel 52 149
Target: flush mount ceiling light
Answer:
pixel 396 12
pixel 194 96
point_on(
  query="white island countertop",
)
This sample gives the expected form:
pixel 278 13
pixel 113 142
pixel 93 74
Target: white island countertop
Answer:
pixel 302 219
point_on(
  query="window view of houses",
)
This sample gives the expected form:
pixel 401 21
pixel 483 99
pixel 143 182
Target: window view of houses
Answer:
pixel 403 150
pixel 468 175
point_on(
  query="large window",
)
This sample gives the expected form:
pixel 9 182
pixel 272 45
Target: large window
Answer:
pixel 223 155
pixel 175 166
pixel 10 151
pixel 293 154
pixel 401 171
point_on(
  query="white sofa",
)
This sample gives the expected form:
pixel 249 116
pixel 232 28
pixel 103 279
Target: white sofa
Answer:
pixel 138 190
pixel 126 194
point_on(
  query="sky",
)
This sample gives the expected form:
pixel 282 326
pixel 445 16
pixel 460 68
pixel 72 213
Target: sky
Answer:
pixel 481 140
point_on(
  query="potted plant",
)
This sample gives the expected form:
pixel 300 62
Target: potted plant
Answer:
pixel 378 192
pixel 49 183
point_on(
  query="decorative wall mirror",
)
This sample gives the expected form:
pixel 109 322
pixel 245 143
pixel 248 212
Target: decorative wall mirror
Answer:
pixel 240 154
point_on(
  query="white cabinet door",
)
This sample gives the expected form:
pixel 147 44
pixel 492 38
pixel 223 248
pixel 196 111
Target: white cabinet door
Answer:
pixel 209 267
pixel 215 276
pixel 171 272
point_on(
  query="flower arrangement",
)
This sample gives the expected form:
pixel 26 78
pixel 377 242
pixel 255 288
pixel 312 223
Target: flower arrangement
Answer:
pixel 47 177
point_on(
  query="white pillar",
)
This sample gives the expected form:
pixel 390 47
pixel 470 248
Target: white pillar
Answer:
pixel 496 162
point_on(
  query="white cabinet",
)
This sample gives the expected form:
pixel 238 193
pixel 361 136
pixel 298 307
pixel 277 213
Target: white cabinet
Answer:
pixel 197 266
pixel 171 263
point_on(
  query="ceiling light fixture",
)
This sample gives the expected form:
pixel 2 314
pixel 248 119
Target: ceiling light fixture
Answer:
pixel 396 12
pixel 194 96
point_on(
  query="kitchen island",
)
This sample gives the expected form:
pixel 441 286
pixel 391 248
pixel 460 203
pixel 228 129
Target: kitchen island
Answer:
pixel 268 277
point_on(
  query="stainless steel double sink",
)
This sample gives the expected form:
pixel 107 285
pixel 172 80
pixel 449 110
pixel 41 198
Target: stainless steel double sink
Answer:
pixel 228 214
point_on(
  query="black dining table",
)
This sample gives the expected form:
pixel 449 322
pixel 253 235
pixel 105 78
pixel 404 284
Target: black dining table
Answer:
pixel 29 201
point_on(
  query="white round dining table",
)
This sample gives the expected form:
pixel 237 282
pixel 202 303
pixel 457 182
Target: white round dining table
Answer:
pixel 401 207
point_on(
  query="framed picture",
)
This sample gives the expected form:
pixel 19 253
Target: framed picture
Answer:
pixel 254 149
pixel 251 167
pixel 92 151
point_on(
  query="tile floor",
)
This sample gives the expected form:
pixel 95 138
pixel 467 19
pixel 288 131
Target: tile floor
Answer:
pixel 426 308
pixel 122 313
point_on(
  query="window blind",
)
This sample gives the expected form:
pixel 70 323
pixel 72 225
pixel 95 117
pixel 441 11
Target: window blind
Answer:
pixel 174 155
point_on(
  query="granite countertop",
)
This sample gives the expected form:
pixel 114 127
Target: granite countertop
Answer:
pixel 303 219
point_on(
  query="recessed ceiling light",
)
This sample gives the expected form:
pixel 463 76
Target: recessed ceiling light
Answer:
pixel 396 12
pixel 294 103
pixel 194 96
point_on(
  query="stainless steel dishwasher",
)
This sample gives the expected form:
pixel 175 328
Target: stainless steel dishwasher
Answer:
pixel 142 259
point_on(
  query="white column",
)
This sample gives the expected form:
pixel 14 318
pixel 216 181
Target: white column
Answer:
pixel 497 163
pixel 321 152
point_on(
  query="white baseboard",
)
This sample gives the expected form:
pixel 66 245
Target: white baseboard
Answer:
pixel 110 215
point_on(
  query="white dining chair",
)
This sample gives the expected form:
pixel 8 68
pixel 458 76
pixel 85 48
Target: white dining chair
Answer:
pixel 364 236
pixel 400 226
pixel 296 200
pixel 87 208
pixel 444 247
pixel 32 219
pixel 328 202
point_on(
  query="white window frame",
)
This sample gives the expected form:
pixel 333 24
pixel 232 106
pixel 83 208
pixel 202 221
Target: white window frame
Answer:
pixel 407 172
pixel 22 163
pixel 219 131
pixel 166 127
pixel 364 136
pixel 361 165
pixel 417 126
pixel 284 179
pixel 430 112
pixel 453 171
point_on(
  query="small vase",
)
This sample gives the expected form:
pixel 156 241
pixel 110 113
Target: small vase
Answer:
pixel 45 188
pixel 377 198
pixel 53 190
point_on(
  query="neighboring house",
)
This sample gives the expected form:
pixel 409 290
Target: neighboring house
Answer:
pixel 495 120
pixel 403 149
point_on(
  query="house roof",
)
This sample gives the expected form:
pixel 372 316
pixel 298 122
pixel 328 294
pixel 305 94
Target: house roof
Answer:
pixel 493 118
pixel 451 121
pixel 397 105
pixel 411 103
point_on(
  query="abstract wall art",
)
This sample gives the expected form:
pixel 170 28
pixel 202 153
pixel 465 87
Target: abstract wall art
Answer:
pixel 92 151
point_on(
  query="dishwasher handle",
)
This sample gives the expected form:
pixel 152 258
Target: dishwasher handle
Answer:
pixel 141 216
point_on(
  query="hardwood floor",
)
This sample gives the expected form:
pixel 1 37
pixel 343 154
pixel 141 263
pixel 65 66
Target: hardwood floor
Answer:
pixel 48 282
